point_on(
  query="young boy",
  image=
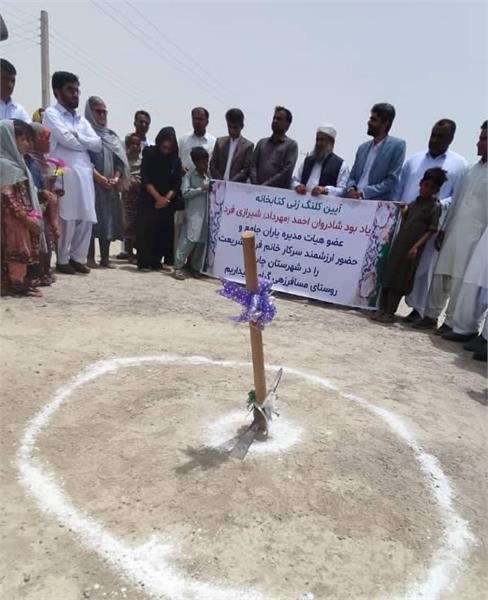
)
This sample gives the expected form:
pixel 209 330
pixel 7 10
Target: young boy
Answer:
pixel 194 233
pixel 419 222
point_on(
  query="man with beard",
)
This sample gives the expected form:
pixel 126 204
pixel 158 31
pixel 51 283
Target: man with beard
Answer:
pixel 275 157
pixel 72 137
pixel 232 153
pixel 376 169
pixel 199 136
pixel 438 155
pixel 457 240
pixel 322 171
pixel 142 122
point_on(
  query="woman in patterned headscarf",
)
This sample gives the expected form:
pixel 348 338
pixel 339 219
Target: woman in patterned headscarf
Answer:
pixel 21 213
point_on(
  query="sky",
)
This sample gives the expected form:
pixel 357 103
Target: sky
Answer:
pixel 326 61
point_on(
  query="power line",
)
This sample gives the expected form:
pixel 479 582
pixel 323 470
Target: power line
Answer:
pixel 23 36
pixel 150 45
pixel 15 44
pixel 16 20
pixel 174 44
pixel 142 36
pixel 95 62
pixel 17 9
pixel 75 55
pixel 20 26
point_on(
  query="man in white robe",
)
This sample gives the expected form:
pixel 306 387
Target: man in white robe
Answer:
pixel 322 172
pixel 438 155
pixel 71 138
pixel 472 303
pixel 465 224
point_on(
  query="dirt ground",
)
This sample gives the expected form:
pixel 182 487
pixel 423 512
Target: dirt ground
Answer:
pixel 344 513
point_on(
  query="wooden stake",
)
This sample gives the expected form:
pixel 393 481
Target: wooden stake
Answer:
pixel 250 268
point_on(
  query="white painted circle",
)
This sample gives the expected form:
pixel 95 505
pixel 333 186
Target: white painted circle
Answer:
pixel 283 434
pixel 150 563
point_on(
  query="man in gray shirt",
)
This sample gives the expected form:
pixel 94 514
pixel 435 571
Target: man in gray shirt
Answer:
pixel 274 158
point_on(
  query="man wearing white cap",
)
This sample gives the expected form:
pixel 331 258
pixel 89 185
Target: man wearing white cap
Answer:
pixel 322 171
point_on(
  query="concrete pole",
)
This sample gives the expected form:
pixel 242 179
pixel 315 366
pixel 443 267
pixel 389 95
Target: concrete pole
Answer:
pixel 45 74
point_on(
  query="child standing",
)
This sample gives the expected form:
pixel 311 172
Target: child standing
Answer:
pixel 420 220
pixel 131 195
pixel 48 199
pixel 194 233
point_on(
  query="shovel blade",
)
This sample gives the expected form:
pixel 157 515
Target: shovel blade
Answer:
pixel 244 442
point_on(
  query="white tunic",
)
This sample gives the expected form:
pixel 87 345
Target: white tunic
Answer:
pixel 12 110
pixel 314 179
pixel 466 222
pixel 472 302
pixel 477 271
pixel 71 138
pixel 413 170
pixel 407 190
pixel 190 140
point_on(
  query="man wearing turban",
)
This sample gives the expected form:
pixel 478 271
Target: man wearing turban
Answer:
pixel 322 171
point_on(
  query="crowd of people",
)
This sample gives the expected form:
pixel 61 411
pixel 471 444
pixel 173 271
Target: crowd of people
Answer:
pixel 68 180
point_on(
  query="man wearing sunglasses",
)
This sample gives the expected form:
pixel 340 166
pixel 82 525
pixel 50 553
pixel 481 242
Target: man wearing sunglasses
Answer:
pixel 72 137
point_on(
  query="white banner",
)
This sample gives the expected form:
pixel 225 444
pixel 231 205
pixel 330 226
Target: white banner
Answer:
pixel 326 248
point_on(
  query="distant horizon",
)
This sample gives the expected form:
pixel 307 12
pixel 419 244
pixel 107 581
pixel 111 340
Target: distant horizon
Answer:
pixel 168 57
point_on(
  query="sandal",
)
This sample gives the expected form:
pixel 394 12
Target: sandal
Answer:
pixel 45 281
pixel 33 292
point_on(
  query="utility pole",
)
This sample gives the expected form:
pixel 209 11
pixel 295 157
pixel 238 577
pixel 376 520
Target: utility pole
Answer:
pixel 45 75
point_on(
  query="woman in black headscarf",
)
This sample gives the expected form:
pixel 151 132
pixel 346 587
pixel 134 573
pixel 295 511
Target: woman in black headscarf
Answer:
pixel 161 182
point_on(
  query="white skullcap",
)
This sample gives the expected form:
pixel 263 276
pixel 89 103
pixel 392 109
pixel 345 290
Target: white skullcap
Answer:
pixel 327 128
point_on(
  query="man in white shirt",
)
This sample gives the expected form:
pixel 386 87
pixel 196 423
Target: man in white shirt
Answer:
pixel 71 138
pixel 438 155
pixel 192 139
pixel 198 137
pixel 322 171
pixel 8 108
pixel 465 224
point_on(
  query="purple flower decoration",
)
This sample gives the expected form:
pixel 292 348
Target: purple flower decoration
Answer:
pixel 259 309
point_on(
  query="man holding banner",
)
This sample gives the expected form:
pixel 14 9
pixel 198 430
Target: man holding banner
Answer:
pixel 322 172
pixel 275 157
pixel 376 169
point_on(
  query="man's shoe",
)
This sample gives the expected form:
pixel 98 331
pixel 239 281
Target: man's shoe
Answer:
pixel 386 318
pixel 106 264
pixel 79 267
pixel 91 263
pixel 178 274
pixel 478 344
pixel 425 323
pixel 196 274
pixel 480 356
pixel 442 330
pixel 413 316
pixel 66 269
pixel 452 336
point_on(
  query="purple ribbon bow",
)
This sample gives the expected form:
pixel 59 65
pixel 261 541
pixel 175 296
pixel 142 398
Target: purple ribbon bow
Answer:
pixel 259 308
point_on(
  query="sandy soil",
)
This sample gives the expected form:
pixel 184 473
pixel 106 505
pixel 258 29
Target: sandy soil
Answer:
pixel 345 513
